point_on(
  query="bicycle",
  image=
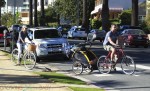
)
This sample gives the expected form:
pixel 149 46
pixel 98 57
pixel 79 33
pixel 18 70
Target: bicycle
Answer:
pixel 28 56
pixel 105 65
pixel 83 58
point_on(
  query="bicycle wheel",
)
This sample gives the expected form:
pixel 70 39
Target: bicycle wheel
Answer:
pixel 83 58
pixel 128 66
pixel 29 60
pixel 77 67
pixel 104 65
pixel 14 56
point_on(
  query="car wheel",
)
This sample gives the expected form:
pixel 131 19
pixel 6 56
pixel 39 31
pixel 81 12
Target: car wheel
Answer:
pixel 146 46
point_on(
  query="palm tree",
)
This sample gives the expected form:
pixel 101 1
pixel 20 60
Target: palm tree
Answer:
pixel 2 4
pixel 35 14
pixel 31 13
pixel 42 19
pixel 134 16
pixel 84 19
pixel 105 15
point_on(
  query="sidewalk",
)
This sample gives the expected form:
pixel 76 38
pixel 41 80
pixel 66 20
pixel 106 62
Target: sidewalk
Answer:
pixel 17 78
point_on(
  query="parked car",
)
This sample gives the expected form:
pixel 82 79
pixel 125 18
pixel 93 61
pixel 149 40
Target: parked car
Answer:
pixel 48 42
pixel 123 27
pixel 77 32
pixel 63 29
pixel 2 29
pixel 15 27
pixel 135 37
pixel 99 34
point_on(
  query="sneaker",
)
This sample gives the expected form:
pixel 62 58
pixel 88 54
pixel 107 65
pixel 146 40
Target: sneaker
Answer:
pixel 17 64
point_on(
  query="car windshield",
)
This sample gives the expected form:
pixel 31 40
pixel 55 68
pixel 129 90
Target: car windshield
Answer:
pixel 40 34
pixel 136 32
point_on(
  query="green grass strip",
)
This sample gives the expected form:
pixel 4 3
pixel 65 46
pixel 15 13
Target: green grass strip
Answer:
pixel 86 89
pixel 60 78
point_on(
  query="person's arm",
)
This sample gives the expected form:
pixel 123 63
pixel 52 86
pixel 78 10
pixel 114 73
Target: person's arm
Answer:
pixel 28 37
pixel 111 42
pixel 20 37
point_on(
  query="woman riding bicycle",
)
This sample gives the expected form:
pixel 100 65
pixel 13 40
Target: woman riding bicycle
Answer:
pixel 21 41
pixel 110 41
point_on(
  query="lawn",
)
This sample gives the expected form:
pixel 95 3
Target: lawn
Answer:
pixel 86 89
pixel 60 78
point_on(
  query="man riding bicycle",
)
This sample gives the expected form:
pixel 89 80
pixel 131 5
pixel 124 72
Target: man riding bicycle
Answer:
pixel 21 41
pixel 110 41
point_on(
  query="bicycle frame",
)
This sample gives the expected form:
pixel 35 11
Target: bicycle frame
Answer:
pixel 120 54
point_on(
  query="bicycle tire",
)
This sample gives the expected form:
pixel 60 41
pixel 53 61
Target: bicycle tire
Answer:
pixel 104 65
pixel 77 67
pixel 29 60
pixel 83 58
pixel 14 56
pixel 128 65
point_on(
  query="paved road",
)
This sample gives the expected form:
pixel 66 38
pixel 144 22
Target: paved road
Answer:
pixel 117 81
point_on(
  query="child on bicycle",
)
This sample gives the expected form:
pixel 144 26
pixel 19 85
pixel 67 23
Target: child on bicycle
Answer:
pixel 110 41
pixel 21 41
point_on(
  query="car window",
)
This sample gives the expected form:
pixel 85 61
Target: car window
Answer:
pixel 136 32
pixel 39 34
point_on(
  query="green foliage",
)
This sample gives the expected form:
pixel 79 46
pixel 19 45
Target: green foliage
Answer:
pixel 53 24
pixel 114 21
pixel 68 9
pixel 125 17
pixel 96 24
pixel 2 3
pixel 146 25
pixel 7 19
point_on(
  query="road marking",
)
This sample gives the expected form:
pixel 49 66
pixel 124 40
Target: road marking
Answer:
pixel 142 67
pixel 102 75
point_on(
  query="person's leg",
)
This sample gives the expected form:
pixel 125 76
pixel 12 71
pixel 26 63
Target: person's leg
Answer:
pixel 19 52
pixel 112 53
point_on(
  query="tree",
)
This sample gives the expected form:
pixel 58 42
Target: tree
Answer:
pixel 7 19
pixel 105 15
pixel 2 4
pixel 68 8
pixel 134 19
pixel 125 17
pixel 30 13
pixel 42 17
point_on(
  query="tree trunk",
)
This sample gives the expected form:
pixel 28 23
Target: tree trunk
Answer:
pixel 0 17
pixel 31 13
pixel 42 19
pixel 35 14
pixel 134 16
pixel 85 21
pixel 105 16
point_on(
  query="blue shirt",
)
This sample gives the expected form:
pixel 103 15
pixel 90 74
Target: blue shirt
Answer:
pixel 112 35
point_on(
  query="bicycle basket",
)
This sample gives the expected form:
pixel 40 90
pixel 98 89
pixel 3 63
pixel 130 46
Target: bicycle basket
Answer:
pixel 31 47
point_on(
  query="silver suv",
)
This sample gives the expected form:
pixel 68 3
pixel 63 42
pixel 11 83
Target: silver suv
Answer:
pixel 48 42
